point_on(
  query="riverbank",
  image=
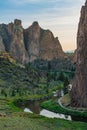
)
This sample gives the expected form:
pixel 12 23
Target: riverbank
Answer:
pixel 12 118
pixel 57 107
pixel 52 105
pixel 27 121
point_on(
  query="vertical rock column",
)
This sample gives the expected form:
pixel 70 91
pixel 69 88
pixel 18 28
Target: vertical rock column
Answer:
pixel 17 48
pixel 2 48
pixel 79 89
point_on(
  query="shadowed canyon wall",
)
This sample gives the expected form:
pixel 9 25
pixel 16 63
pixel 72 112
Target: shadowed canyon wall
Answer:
pixel 79 90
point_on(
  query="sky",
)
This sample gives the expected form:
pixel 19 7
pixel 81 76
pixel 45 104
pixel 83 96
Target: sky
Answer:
pixel 59 16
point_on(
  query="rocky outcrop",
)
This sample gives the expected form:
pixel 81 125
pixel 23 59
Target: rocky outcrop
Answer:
pixel 2 48
pixel 13 40
pixel 74 57
pixel 32 41
pixel 17 48
pixel 29 44
pixel 50 47
pixel 41 43
pixel 79 90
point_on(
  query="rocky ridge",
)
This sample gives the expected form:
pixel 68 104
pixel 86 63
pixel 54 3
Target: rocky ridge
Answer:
pixel 29 44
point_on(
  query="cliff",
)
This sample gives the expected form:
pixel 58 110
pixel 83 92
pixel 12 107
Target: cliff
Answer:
pixel 13 40
pixel 74 57
pixel 29 44
pixel 79 90
pixel 2 48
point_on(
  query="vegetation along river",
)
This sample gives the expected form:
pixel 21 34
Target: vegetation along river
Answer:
pixel 33 106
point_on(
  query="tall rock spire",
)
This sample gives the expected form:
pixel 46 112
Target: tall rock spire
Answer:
pixel 79 90
pixel 86 2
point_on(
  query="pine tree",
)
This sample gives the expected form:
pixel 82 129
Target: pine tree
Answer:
pixel 66 83
pixel 61 76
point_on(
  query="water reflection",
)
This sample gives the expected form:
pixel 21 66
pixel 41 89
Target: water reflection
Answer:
pixel 34 107
pixel 50 114
pixel 27 110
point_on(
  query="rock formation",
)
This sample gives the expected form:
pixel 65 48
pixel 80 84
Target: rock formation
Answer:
pixel 74 57
pixel 13 40
pixel 29 44
pixel 79 90
pixel 32 39
pixel 2 48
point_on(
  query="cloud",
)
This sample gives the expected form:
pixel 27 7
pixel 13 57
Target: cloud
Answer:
pixel 46 1
pixel 25 1
pixel 60 16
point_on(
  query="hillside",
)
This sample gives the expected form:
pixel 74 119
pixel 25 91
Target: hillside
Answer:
pixel 15 76
pixel 40 77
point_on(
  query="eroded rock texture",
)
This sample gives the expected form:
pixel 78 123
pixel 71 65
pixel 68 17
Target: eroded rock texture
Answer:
pixel 2 48
pixel 74 57
pixel 13 40
pixel 29 44
pixel 79 90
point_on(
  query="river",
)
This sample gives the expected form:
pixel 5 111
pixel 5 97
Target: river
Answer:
pixel 34 107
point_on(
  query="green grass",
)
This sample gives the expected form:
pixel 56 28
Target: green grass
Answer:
pixel 23 121
pixel 12 76
pixel 7 106
pixel 4 106
pixel 13 107
pixel 54 106
pixel 66 100
pixel 15 119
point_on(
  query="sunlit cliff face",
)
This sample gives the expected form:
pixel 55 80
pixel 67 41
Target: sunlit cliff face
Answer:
pixel 29 44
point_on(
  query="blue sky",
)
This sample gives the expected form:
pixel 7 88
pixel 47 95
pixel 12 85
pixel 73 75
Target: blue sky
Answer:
pixel 60 16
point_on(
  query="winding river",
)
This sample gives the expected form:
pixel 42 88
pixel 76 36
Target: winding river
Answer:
pixel 34 107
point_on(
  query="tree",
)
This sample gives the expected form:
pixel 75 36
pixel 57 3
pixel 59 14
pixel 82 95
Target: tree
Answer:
pixel 61 76
pixel 13 92
pixel 55 75
pixel 66 83
pixel 3 93
pixel 48 73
